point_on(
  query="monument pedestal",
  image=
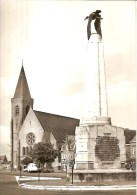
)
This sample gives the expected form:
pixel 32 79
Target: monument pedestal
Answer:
pixel 101 176
pixel 99 147
pixel 100 154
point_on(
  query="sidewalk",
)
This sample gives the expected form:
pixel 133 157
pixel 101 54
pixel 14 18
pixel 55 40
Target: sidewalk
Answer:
pixel 52 183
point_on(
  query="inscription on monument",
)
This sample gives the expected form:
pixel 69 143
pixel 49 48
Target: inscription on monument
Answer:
pixel 82 147
pixel 107 148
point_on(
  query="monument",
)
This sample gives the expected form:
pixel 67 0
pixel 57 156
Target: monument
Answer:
pixel 100 147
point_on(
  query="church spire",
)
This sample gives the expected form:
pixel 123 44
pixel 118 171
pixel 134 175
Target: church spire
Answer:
pixel 20 105
pixel 22 89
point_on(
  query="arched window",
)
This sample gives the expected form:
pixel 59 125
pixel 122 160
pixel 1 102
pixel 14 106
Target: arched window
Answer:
pixel 30 149
pixel 27 150
pixel 133 150
pixel 27 109
pixel 23 150
pixel 59 155
pixel 17 110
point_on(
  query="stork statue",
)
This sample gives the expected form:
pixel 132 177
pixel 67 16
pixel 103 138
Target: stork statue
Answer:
pixel 97 17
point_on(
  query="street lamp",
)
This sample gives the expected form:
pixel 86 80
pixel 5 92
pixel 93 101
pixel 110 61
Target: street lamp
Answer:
pixel 19 156
pixel 39 171
pixel 71 163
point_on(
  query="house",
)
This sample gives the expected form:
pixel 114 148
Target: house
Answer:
pixel 3 159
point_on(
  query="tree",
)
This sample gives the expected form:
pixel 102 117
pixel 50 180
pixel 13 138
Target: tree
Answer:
pixel 27 160
pixel 43 152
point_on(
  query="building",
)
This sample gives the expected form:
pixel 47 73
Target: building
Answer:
pixel 3 159
pixel 130 143
pixel 29 126
pixel 133 148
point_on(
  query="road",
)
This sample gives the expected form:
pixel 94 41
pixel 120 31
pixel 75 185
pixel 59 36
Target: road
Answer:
pixel 9 186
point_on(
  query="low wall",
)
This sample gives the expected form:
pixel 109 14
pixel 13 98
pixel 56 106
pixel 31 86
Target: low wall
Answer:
pixel 94 177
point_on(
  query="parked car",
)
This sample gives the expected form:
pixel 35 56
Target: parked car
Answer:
pixel 25 168
pixel 31 168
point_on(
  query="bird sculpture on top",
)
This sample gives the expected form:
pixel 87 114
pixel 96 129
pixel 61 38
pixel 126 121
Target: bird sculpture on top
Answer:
pixel 97 17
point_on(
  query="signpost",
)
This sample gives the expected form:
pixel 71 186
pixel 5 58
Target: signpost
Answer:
pixel 65 162
pixel 71 164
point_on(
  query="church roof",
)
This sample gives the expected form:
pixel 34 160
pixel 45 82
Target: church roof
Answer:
pixel 134 139
pixel 129 135
pixel 22 89
pixel 58 125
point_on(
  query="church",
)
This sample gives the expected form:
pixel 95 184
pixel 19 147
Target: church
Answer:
pixel 30 126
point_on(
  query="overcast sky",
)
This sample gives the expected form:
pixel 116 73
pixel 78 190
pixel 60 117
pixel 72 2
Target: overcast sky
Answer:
pixel 50 37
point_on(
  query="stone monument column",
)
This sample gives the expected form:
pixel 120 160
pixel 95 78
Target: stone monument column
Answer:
pixel 99 145
pixel 95 96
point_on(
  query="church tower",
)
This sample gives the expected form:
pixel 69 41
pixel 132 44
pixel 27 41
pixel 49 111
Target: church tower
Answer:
pixel 20 105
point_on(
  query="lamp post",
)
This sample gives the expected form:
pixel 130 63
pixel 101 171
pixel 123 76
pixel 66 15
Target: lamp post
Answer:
pixel 66 165
pixel 39 171
pixel 19 157
pixel 72 162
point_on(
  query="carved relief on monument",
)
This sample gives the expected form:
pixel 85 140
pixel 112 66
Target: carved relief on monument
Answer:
pixel 81 131
pixel 107 148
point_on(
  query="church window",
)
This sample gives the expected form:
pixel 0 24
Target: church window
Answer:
pixel 30 149
pixel 27 109
pixel 133 150
pixel 23 150
pixel 30 138
pixel 17 110
pixel 59 156
pixel 27 150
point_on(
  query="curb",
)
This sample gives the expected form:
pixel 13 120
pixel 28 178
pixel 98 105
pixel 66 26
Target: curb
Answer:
pixel 75 188
pixel 79 188
pixel 26 178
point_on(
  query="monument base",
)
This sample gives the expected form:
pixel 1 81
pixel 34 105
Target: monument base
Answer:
pixel 98 176
pixel 99 147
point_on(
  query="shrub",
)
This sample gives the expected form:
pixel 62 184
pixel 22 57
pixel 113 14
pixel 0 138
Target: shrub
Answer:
pixel 81 176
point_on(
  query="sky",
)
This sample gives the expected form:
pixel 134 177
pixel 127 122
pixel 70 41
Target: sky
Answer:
pixel 50 37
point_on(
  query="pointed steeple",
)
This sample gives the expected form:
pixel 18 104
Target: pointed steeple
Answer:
pixel 22 89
